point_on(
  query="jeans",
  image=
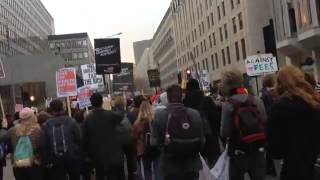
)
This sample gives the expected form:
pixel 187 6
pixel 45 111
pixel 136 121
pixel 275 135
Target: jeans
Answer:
pixel 34 173
pixel 185 176
pixel 113 173
pixel 65 170
pixel 254 164
pixel 151 168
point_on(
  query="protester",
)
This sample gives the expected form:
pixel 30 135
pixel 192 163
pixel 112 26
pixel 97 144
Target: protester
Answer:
pixel 162 102
pixel 268 96
pixel 25 140
pixel 194 95
pixel 62 144
pixel 105 144
pixel 243 117
pixel 137 100
pixel 142 131
pixel 179 131
pixel 211 116
pixel 294 125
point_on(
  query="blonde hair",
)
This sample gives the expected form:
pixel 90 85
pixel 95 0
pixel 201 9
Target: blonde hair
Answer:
pixel 120 102
pixel 145 113
pixel 292 80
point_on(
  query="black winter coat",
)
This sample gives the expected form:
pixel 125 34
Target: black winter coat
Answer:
pixel 293 131
pixel 106 140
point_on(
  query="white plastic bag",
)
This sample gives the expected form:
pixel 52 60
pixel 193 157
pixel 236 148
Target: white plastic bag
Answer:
pixel 205 173
pixel 221 169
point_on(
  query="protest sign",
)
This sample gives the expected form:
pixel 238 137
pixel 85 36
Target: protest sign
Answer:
pixel 260 64
pixel 107 55
pixel 84 94
pixel 66 82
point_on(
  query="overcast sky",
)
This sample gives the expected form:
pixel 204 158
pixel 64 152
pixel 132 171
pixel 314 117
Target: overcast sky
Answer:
pixel 136 19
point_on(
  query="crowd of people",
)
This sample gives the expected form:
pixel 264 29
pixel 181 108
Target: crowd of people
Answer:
pixel 165 138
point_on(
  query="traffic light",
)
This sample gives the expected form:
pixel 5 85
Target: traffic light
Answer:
pixel 188 71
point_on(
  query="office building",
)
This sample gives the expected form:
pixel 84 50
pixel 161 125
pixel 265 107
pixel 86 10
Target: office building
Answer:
pixel 164 51
pixel 218 35
pixel 297 24
pixel 139 47
pixel 76 49
pixel 24 27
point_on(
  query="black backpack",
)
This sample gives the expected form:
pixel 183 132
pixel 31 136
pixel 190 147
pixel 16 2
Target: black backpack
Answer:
pixel 151 150
pixel 249 133
pixel 183 136
pixel 61 138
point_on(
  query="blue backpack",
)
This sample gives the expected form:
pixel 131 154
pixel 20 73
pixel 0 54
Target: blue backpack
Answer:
pixel 23 154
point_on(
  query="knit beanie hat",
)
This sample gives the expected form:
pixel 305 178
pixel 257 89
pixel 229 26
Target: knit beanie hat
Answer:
pixel 26 113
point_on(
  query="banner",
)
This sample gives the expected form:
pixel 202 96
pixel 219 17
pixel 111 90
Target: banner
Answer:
pixel 154 78
pixel 89 76
pixel 66 82
pixel 107 55
pixel 2 74
pixel 124 81
pixel 84 94
pixel 259 64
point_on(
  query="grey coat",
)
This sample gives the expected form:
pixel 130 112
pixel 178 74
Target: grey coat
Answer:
pixel 168 166
pixel 227 114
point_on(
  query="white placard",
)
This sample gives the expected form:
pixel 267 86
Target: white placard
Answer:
pixel 89 76
pixel 259 64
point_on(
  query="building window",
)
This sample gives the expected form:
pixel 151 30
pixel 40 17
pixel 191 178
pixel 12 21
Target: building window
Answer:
pixel 221 35
pixel 292 19
pixel 210 41
pixel 51 45
pixel 232 4
pixel 203 65
pixel 205 45
pixel 200 29
pixel 225 31
pixel 80 55
pixel 218 11
pixel 236 44
pixel 238 1
pixel 208 22
pixel 214 39
pixel 201 48
pixel 74 56
pixel 223 9
pixel 212 62
pixel 228 55
pixel 212 20
pixel 223 57
pixel 84 43
pixel 85 55
pixel 207 64
pixel 244 52
pixel 240 21
pixel 199 66
pixel 217 60
pixel 234 25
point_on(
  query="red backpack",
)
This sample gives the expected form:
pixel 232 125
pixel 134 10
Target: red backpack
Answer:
pixel 249 126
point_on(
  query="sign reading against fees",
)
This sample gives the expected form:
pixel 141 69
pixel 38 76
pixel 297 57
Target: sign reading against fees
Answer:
pixel 89 76
pixel 154 78
pixel 262 63
pixel 66 82
pixel 84 94
pixel 2 74
pixel 107 55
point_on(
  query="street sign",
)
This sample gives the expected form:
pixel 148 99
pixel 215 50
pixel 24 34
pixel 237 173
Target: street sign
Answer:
pixel 84 94
pixel 259 64
pixel 89 76
pixel 66 82
pixel 154 78
pixel 107 55
pixel 2 74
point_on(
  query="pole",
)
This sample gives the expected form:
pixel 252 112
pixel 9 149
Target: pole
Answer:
pixel 4 119
pixel 69 106
pixel 197 72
